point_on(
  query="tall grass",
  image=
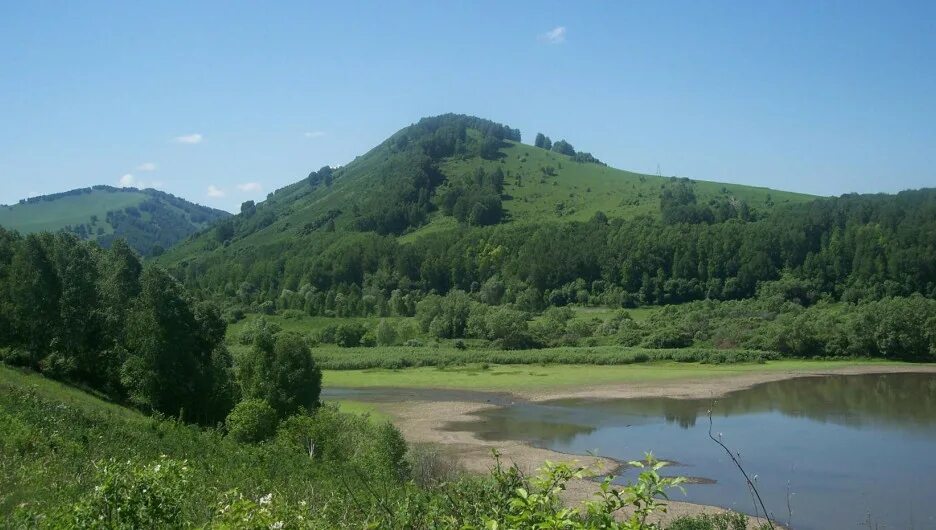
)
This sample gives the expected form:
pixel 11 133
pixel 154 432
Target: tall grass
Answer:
pixel 394 357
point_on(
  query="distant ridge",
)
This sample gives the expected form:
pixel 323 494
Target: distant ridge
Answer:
pixel 150 220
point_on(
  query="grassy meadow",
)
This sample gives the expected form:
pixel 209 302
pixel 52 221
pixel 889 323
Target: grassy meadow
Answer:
pixel 564 377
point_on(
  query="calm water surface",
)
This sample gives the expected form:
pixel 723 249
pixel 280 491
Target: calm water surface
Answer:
pixel 836 451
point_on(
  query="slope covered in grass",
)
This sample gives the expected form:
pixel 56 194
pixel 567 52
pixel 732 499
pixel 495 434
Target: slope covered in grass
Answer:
pixel 148 219
pixel 57 441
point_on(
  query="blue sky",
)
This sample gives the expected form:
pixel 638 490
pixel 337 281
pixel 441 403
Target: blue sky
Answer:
pixel 220 102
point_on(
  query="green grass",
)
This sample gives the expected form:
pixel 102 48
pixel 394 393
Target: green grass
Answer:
pixel 351 406
pixel 584 189
pixel 557 377
pixel 331 357
pixel 52 437
pixel 69 210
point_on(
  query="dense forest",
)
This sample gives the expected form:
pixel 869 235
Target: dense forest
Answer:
pixel 851 248
pixel 99 319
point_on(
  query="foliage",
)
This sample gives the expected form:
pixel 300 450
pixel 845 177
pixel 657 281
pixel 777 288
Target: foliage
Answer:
pixel 251 421
pixel 280 370
pixel 129 495
pixel 98 318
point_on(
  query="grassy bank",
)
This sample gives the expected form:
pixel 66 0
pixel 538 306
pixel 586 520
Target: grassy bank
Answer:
pixel 397 357
pixel 557 377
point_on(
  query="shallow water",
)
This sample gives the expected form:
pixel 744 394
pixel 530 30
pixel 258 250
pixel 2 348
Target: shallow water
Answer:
pixel 836 451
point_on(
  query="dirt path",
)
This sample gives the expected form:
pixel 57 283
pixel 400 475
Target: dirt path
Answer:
pixel 425 422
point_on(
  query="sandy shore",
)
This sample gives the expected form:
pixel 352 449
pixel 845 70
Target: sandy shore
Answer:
pixel 425 422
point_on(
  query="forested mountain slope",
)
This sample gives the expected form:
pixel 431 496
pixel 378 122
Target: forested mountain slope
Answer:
pixel 456 202
pixel 149 220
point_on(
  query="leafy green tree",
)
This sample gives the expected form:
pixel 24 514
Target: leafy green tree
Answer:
pixel 540 140
pixel 163 345
pixel 34 290
pixel 76 347
pixel 563 147
pixel 280 370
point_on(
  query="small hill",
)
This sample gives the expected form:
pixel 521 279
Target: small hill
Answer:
pixel 149 220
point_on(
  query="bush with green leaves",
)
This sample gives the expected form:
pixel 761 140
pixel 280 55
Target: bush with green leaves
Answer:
pixel 386 334
pixel 130 495
pixel 349 335
pixel 251 421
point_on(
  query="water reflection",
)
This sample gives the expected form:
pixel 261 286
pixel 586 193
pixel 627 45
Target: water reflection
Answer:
pixel 841 445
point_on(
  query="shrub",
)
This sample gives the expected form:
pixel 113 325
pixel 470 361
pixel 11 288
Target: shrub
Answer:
pixel 386 334
pixel 349 335
pixel 667 338
pixel 251 421
pixel 131 495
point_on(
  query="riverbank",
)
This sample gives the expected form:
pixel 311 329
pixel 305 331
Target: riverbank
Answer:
pixel 555 381
pixel 428 421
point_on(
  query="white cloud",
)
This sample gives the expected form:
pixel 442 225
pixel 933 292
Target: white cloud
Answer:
pixel 215 192
pixel 557 35
pixel 147 166
pixel 314 134
pixel 250 187
pixel 128 181
pixel 193 138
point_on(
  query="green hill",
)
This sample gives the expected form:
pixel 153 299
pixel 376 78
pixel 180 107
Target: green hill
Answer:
pixel 402 182
pixel 459 203
pixel 538 186
pixel 148 219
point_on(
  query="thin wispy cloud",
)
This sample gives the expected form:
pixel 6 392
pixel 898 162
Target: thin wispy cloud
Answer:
pixel 249 187
pixel 147 166
pixel 557 35
pixel 215 192
pixel 194 138
pixel 314 134
pixel 129 180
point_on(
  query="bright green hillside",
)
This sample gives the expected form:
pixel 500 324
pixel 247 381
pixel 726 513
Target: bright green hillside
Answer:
pixel 578 190
pixel 42 215
pixel 147 219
